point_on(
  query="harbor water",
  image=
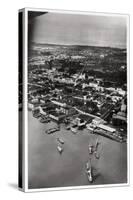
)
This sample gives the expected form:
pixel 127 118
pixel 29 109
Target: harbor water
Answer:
pixel 48 168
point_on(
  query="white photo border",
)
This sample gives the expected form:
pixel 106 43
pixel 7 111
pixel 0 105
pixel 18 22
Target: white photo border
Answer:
pixel 25 133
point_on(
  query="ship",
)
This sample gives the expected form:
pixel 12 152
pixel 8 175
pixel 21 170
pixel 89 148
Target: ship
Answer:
pixel 89 171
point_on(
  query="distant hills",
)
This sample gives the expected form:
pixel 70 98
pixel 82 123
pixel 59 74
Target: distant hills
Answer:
pixel 75 46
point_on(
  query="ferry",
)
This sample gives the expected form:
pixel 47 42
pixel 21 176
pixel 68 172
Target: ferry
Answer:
pixel 60 149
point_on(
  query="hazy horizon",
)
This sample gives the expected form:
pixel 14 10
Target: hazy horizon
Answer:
pixel 77 29
pixel 57 44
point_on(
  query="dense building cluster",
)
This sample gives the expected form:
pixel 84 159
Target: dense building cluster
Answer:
pixel 83 85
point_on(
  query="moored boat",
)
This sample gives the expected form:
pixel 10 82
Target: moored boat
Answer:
pixel 60 149
pixel 74 128
pixel 60 140
pixel 52 130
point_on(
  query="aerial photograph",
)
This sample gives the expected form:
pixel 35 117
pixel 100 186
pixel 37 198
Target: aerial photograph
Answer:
pixel 77 99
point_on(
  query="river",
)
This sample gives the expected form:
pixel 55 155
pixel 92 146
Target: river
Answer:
pixel 47 168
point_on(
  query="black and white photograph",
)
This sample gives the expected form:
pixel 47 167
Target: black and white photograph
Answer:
pixel 76 99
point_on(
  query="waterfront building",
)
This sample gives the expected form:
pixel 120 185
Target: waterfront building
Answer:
pixel 106 128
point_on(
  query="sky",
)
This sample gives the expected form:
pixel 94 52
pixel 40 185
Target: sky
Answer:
pixel 77 29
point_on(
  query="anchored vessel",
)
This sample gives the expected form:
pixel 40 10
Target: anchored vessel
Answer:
pixel 89 171
pixel 60 140
pixel 60 149
pixel 52 130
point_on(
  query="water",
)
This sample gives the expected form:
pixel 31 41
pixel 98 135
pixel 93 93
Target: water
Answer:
pixel 47 168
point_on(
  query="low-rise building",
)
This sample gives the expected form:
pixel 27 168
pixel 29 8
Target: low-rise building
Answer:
pixel 106 128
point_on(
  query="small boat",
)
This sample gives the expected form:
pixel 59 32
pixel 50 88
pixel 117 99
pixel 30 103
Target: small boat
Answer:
pixel 89 172
pixel 52 130
pixel 66 121
pixel 44 120
pixel 60 140
pixel 97 156
pixel 68 127
pixel 91 149
pixel 60 149
pixel 74 128
pixel 36 115
pixel 97 144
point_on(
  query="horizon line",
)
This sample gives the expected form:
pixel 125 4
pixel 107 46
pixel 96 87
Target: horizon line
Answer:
pixel 87 45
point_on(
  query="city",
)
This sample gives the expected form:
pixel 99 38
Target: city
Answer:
pixel 77 94
pixel 87 89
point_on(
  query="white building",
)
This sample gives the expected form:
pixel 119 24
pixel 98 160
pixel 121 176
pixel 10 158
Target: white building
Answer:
pixel 121 92
pixel 106 128
pixel 91 84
